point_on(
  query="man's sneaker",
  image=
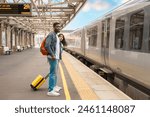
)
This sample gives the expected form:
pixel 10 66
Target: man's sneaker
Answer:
pixel 53 93
pixel 57 88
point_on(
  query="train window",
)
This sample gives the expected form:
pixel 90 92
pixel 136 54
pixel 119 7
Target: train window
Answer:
pixel 107 43
pixel 103 26
pixel 149 39
pixel 92 36
pixel 136 30
pixel 108 25
pixel 103 32
pixel 149 45
pixel 119 32
pixel 102 39
pixel 77 36
pixel 108 33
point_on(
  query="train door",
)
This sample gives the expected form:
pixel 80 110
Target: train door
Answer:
pixel 105 40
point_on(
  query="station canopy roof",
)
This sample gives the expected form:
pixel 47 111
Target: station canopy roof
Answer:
pixel 44 14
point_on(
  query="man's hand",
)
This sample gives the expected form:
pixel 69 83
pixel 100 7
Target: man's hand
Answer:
pixel 53 57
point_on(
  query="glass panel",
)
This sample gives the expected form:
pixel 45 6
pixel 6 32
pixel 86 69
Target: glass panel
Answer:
pixel 102 39
pixel 119 32
pixel 103 26
pixel 120 22
pixel 77 39
pixel 149 39
pixel 136 36
pixel 92 36
pixel 137 18
pixel 119 38
pixel 108 25
pixel 108 33
pixel 107 40
pixel 149 44
pixel 136 30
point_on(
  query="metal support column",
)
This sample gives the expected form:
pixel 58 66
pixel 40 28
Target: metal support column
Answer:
pixel 8 37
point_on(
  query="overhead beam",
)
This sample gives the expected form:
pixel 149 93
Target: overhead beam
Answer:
pixel 3 1
pixel 54 10
pixel 35 7
pixel 44 14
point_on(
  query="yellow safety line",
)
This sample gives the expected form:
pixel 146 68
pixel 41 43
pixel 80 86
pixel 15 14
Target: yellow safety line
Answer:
pixel 67 94
pixel 85 92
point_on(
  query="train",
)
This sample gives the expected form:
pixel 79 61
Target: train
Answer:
pixel 119 44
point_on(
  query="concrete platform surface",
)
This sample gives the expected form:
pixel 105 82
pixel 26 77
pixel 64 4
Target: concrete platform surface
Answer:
pixel 18 70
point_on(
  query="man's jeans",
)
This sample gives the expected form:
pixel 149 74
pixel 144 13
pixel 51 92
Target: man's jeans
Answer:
pixel 53 73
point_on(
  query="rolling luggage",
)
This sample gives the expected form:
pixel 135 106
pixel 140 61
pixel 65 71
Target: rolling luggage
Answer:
pixel 36 84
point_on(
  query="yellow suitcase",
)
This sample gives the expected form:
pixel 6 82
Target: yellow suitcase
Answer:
pixel 36 84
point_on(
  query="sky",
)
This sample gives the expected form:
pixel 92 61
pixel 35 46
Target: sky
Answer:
pixel 92 10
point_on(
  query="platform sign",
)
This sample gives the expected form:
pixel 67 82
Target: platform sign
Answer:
pixel 23 9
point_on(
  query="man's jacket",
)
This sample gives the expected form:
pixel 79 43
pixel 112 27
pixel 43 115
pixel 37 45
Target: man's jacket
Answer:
pixel 50 44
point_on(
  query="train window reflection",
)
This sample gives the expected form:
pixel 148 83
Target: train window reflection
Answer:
pixel 103 31
pixel 149 45
pixel 119 33
pixel 102 39
pixel 149 39
pixel 77 37
pixel 108 33
pixel 136 30
pixel 92 36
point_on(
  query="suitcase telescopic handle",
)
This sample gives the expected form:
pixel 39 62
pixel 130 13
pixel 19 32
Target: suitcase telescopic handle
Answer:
pixel 47 76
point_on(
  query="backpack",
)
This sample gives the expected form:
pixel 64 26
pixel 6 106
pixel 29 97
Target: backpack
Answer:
pixel 42 48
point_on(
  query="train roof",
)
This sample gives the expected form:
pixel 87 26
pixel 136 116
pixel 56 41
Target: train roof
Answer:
pixel 127 5
pixel 122 9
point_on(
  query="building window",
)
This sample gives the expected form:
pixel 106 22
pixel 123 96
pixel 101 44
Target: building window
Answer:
pixel 136 30
pixel 119 32
pixel 92 36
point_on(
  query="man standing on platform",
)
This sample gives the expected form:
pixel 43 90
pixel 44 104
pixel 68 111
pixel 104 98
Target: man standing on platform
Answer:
pixel 53 47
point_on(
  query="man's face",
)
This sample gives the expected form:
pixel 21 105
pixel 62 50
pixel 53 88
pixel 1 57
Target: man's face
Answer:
pixel 57 28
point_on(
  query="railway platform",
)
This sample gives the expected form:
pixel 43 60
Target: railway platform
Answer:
pixel 18 70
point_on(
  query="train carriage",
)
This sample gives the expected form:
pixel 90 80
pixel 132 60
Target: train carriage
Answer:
pixel 92 42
